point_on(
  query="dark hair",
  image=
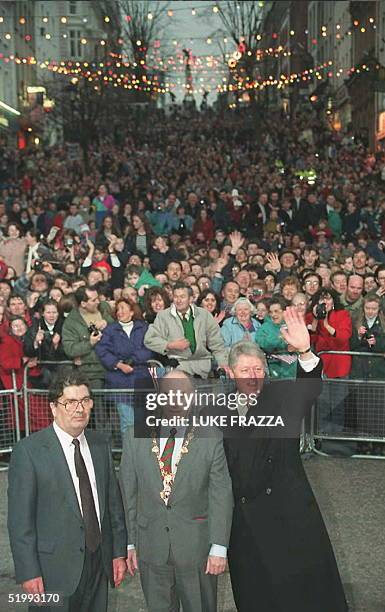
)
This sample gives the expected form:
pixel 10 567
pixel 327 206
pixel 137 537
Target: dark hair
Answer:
pixel 15 296
pixel 49 303
pixel 175 261
pixel 324 292
pixel 379 269
pixel 278 299
pixel 181 285
pixel 81 294
pixel 66 377
pixel 203 294
pixel 67 303
pixel 150 294
pixel 309 274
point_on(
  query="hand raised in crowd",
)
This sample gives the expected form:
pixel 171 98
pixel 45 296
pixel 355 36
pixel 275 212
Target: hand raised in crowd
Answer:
pixel 215 565
pixel 120 570
pixel 220 316
pixel 273 263
pixel 132 562
pixel 35 586
pixel 295 333
pixel 178 345
pixel 237 241
pixel 361 331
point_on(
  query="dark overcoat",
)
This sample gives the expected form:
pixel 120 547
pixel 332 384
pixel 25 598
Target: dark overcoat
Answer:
pixel 280 555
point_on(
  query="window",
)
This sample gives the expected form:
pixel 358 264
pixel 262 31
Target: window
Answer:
pixel 75 44
pixel 72 10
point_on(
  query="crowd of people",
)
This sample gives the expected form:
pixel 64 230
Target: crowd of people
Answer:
pixel 191 234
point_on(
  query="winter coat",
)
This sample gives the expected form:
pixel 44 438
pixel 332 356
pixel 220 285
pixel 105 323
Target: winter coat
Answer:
pixel 233 331
pixel 369 368
pixel 269 338
pixel 116 346
pixel 335 366
pixel 76 342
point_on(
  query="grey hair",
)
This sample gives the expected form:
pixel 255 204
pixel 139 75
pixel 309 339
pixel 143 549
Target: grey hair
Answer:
pixel 245 347
pixel 243 300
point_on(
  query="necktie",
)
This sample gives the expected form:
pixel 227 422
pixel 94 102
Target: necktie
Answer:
pixel 166 457
pixel 93 536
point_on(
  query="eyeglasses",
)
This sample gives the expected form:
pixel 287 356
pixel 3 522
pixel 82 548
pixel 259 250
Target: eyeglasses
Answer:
pixel 72 405
pixel 310 282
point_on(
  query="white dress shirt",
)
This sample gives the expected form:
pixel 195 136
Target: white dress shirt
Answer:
pixel 69 451
pixel 216 549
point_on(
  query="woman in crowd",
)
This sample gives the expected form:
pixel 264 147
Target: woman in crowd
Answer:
pixel 242 325
pixel 155 300
pixel 368 400
pixel 106 232
pixel 210 301
pixel 43 340
pixel 122 352
pixel 270 339
pixel 301 302
pixel 330 328
pixel 12 248
pixel 161 254
pixel 102 203
pixel 139 236
pixel 203 225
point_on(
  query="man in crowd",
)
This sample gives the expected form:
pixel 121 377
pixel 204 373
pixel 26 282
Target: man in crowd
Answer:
pixel 352 300
pixel 65 514
pixel 82 330
pixel 187 334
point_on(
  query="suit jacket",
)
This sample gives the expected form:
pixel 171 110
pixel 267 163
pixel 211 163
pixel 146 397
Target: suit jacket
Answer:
pixel 199 510
pixel 46 528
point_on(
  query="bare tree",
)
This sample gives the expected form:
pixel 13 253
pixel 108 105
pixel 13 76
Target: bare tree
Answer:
pixel 242 22
pixel 142 23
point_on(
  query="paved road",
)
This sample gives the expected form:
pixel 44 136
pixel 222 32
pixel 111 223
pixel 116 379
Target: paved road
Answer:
pixel 351 495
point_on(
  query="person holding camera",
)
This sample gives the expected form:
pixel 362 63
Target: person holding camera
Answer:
pixel 43 340
pixel 368 400
pixel 330 328
pixel 82 330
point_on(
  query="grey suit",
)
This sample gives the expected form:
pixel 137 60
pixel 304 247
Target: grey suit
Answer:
pixel 180 534
pixel 45 524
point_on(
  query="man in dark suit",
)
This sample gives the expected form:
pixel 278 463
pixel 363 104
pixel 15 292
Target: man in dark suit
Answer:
pixel 280 556
pixel 65 513
pixel 299 208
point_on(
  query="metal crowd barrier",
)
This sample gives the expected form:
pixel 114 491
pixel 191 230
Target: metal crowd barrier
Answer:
pixel 350 412
pixel 10 426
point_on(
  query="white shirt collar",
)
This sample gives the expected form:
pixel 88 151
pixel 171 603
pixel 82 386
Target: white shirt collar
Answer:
pixel 175 313
pixel 65 438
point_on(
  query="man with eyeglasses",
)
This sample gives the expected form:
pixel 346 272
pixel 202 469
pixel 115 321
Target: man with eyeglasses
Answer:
pixel 65 513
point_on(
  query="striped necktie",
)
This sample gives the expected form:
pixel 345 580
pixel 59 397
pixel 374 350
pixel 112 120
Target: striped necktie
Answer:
pixel 166 457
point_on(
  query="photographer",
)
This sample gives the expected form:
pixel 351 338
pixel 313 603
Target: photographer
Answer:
pixel 330 328
pixel 43 339
pixel 369 336
pixel 368 400
pixel 82 330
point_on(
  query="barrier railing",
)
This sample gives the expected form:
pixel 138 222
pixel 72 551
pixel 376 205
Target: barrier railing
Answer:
pixel 10 400
pixel 352 410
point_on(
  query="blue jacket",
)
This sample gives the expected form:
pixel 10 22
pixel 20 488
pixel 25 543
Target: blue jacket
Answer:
pixel 115 346
pixel 232 331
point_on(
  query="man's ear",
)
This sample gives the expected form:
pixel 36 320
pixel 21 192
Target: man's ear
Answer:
pixel 52 405
pixel 231 373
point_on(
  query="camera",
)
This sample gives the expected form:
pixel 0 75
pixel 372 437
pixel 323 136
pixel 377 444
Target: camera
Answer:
pixel 68 242
pixel 368 335
pixel 92 329
pixel 38 266
pixel 320 311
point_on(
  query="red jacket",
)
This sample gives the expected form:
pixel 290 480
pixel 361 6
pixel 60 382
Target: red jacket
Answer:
pixel 11 358
pixel 206 227
pixel 335 366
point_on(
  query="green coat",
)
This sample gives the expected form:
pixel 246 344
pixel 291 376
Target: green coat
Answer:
pixel 369 368
pixel 335 223
pixel 76 342
pixel 269 338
